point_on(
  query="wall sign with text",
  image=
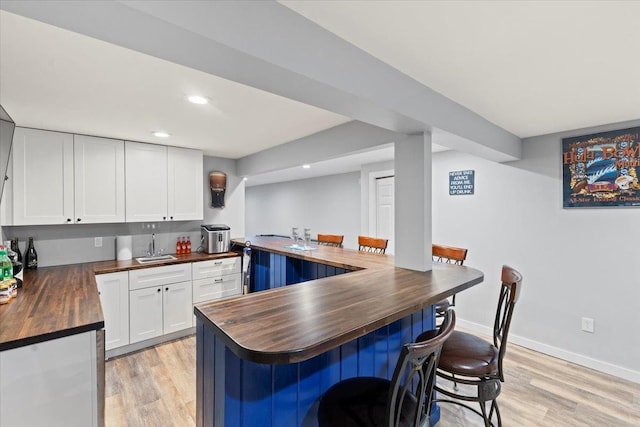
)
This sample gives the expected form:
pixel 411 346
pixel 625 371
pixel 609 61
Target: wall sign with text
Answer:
pixel 461 182
pixel 601 170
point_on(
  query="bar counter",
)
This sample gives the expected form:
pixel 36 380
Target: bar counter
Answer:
pixel 313 330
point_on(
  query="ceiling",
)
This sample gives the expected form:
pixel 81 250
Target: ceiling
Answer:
pixel 530 67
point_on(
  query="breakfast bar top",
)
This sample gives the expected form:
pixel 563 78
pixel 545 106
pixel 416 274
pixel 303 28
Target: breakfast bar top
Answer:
pixel 295 323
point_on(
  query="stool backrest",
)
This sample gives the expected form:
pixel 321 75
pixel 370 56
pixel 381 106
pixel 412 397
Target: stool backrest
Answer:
pixel 330 240
pixel 448 254
pixel 509 294
pixel 372 244
pixel 415 372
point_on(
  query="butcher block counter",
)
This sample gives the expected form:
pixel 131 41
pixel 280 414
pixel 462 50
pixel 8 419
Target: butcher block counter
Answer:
pixel 277 350
pixel 59 301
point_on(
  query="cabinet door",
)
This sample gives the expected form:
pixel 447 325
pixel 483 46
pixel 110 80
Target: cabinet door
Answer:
pixel 216 287
pixel 114 298
pixel 99 179
pixel 42 177
pixel 145 313
pixel 52 383
pixel 177 307
pixel 185 172
pixel 146 182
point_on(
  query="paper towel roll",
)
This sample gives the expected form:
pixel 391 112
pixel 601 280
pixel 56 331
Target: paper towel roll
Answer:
pixel 123 247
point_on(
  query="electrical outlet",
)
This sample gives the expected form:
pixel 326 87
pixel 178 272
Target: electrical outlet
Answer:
pixel 97 242
pixel 588 324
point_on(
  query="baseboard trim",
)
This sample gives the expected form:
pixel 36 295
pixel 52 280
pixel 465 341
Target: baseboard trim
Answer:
pixel 579 359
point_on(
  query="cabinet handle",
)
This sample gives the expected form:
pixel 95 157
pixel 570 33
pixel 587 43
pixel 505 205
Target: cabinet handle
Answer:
pixel 218 280
pixel 217 263
pixel 166 289
pixel 159 289
pixel 170 217
pixel 164 217
pixel 68 219
pixel 79 219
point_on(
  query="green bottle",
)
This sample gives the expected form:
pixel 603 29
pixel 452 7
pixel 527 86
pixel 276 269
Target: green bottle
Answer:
pixel 6 265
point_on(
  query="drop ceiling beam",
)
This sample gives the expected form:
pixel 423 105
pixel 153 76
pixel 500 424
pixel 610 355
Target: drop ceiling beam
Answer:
pixel 268 46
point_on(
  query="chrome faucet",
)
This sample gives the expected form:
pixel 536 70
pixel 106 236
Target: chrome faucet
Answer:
pixel 152 245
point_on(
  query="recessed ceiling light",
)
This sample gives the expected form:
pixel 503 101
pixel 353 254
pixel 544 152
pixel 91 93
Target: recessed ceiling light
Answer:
pixel 197 99
pixel 306 166
pixel 245 178
pixel 161 134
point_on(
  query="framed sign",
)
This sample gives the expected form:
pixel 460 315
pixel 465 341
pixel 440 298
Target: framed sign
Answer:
pixel 461 182
pixel 601 170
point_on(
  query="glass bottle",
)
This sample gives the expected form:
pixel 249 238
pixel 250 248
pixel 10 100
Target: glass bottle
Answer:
pixel 16 248
pixel 188 245
pixel 31 255
pixel 6 264
pixel 178 246
pixel 183 245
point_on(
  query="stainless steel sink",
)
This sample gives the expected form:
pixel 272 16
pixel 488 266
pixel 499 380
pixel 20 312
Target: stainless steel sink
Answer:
pixel 156 258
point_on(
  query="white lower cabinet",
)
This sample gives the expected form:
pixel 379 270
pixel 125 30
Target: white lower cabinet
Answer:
pixel 52 383
pixel 216 287
pixel 177 307
pixel 159 310
pixel 114 298
pixel 145 308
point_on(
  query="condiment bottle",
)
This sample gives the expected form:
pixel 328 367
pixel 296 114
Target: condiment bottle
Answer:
pixel 188 245
pixel 178 246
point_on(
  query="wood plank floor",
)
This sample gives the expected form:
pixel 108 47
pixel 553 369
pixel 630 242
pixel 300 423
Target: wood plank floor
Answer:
pixel 156 387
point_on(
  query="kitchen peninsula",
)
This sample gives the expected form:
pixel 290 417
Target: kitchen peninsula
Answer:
pixel 265 358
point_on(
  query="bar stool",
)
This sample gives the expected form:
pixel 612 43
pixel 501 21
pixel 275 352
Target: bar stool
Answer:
pixel 447 255
pixel 372 401
pixel 372 244
pixel 330 240
pixel 467 359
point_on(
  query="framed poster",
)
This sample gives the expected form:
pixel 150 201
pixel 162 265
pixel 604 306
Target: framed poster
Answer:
pixel 601 170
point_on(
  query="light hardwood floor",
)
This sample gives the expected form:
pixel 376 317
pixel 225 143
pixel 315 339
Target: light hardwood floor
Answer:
pixel 156 387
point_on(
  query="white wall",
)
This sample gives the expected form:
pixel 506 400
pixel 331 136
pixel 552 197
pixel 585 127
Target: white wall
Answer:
pixel 328 205
pixel 233 212
pixel 575 262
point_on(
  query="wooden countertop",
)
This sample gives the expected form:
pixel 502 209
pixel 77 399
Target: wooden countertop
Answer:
pixel 59 301
pixel 295 323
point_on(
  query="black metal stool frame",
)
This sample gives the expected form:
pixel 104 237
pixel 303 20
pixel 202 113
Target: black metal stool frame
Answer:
pixel 489 387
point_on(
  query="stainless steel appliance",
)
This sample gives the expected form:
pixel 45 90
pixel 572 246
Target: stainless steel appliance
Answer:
pixel 216 238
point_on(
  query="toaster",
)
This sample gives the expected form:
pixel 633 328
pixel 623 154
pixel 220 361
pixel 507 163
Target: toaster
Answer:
pixel 215 238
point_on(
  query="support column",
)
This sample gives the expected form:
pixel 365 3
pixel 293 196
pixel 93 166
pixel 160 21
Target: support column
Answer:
pixel 413 202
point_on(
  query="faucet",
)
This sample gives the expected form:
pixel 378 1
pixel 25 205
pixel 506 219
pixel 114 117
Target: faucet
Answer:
pixel 152 245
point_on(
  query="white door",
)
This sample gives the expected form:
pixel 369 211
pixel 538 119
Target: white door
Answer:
pixel 385 215
pixel 43 177
pixel 145 182
pixel 185 174
pixel 99 179
pixel 177 307
pixel 145 313
pixel 114 298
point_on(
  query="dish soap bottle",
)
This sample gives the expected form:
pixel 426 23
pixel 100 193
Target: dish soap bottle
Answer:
pixel 31 256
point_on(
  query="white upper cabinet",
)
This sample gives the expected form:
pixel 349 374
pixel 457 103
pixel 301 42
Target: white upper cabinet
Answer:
pixel 42 177
pixel 163 183
pixel 99 179
pixel 146 182
pixel 185 173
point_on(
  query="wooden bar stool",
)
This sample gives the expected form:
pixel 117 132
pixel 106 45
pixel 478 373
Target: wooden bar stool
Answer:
pixel 447 255
pixel 330 240
pixel 467 359
pixel 372 244
pixel 372 401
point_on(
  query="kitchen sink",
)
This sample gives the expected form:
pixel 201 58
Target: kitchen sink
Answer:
pixel 156 258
